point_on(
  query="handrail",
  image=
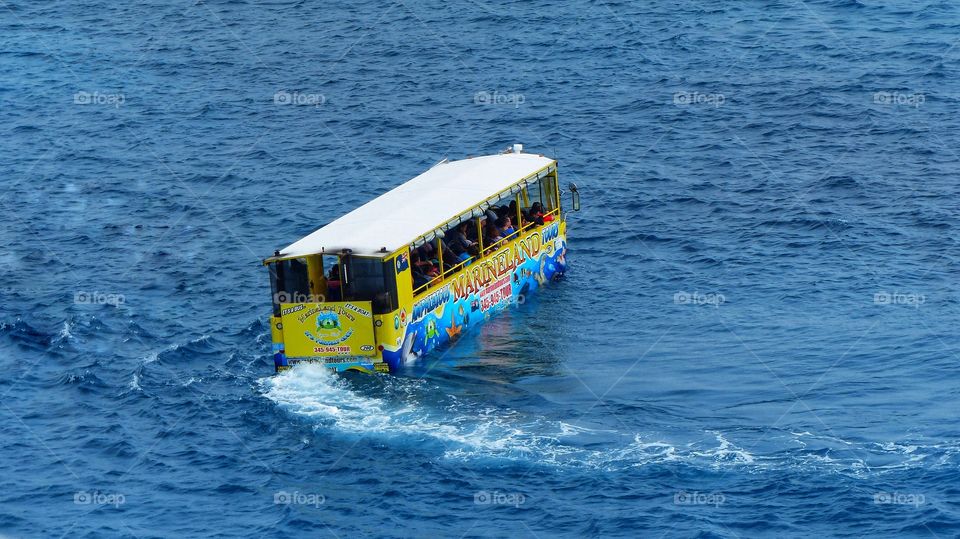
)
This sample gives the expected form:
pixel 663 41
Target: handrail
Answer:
pixel 443 278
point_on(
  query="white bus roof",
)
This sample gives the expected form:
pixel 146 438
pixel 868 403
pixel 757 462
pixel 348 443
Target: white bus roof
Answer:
pixel 420 206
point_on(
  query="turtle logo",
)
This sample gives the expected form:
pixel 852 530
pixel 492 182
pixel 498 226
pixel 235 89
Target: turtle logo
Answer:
pixel 329 330
pixel 328 321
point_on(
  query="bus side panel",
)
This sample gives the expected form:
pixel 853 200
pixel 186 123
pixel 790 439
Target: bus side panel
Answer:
pixel 481 289
pixel 276 335
pixel 391 327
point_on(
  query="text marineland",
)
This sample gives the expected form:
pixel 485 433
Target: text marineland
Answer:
pixel 479 275
pixel 499 264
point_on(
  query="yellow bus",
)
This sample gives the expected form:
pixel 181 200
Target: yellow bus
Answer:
pixel 417 266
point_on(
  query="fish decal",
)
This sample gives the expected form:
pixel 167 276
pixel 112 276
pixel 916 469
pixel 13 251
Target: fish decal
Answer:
pixel 431 329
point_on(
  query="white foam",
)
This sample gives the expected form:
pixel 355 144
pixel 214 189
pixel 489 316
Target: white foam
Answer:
pixel 134 384
pixel 154 356
pixel 311 391
pixel 726 450
pixel 64 334
pixel 470 432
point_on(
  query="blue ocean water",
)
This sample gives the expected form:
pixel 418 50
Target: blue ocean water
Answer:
pixel 756 335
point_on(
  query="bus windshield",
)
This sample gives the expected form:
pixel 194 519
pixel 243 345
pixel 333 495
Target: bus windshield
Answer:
pixel 371 279
pixel 320 278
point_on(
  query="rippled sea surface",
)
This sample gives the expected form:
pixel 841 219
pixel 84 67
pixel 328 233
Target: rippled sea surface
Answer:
pixel 757 335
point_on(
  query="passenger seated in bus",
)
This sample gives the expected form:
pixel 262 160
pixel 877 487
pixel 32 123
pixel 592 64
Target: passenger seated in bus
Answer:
pixel 333 284
pixel 536 210
pixel 452 248
pixel 422 264
pixel 450 242
pixel 426 251
pixel 421 270
pixel 492 234
pixel 505 226
pixel 450 258
pixel 505 212
pixel 467 255
pixel 461 247
pixel 419 278
pixel 532 220
pixel 428 254
pixel 472 231
pixel 461 237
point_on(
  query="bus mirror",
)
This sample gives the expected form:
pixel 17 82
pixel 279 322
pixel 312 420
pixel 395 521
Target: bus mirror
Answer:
pixel 575 194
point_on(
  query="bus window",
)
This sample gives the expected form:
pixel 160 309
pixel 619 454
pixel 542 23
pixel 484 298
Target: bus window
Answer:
pixel 532 199
pixel 289 282
pixel 533 195
pixel 548 190
pixel 372 279
pixel 331 270
pixel 387 300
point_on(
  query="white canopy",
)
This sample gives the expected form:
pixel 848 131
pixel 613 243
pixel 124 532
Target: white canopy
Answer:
pixel 439 195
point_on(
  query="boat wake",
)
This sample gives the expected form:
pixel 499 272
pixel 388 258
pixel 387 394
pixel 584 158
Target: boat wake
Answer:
pixel 469 432
pixel 458 429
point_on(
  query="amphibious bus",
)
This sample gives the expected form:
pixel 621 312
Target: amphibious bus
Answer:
pixel 414 268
